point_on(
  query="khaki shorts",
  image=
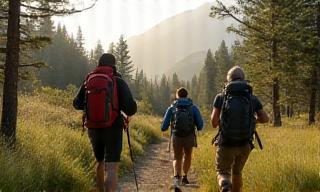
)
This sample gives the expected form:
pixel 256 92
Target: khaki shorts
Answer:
pixel 182 145
pixel 231 160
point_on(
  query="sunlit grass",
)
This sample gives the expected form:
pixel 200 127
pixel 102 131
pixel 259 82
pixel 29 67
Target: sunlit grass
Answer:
pixel 290 160
pixel 52 152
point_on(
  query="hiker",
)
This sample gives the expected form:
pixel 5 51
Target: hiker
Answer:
pixel 234 112
pixel 183 117
pixel 104 96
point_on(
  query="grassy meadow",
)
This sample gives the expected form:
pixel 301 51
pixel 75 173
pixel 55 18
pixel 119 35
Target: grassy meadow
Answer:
pixel 290 160
pixel 51 152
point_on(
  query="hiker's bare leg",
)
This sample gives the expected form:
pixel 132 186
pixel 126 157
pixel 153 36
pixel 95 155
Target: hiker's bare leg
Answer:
pixel 177 165
pixel 236 183
pixel 177 162
pixel 111 181
pixel 100 176
pixel 187 160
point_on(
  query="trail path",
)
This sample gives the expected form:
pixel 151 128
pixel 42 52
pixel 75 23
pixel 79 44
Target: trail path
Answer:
pixel 154 171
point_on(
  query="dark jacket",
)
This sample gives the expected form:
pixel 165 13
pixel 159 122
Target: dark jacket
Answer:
pixel 127 104
pixel 184 102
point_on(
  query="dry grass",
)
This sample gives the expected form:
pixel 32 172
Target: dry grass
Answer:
pixel 290 160
pixel 51 152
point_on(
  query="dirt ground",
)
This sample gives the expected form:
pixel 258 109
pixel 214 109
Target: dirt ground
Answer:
pixel 154 171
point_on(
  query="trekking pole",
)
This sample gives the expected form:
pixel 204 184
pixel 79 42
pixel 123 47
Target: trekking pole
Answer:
pixel 258 139
pixel 195 139
pixel 126 125
pixel 169 144
pixel 83 123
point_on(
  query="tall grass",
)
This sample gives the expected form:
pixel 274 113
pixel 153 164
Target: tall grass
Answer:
pixel 290 160
pixel 51 153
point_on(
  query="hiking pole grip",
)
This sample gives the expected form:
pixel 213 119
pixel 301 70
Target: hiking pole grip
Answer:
pixel 214 139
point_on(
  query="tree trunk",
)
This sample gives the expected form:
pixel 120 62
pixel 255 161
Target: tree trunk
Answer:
pixel 318 99
pixel 10 98
pixel 275 88
pixel 314 76
pixel 313 96
pixel 275 104
pixel 291 111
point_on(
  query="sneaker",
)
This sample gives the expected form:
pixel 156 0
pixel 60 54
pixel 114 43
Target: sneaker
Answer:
pixel 184 180
pixel 176 180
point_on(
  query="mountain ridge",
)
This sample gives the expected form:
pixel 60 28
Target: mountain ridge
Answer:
pixel 160 48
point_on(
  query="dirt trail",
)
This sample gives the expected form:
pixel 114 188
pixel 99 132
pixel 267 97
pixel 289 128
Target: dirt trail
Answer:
pixel 154 171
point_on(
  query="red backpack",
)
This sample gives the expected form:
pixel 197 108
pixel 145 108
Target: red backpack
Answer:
pixel 102 107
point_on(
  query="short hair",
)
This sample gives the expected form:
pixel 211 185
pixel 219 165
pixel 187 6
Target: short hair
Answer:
pixel 235 73
pixel 107 59
pixel 182 92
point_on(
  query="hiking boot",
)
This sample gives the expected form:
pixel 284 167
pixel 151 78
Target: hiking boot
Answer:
pixel 184 180
pixel 176 180
pixel 225 186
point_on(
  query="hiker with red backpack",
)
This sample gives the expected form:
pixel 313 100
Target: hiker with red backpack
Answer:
pixel 103 97
pixel 184 118
pixel 236 111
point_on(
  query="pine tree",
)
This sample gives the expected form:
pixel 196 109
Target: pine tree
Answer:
pixel 237 55
pixel 262 26
pixel 10 95
pixel 207 81
pixel 97 52
pixel 139 84
pixel 194 89
pixel 223 63
pixel 67 64
pixel 111 49
pixel 124 63
pixel 164 90
pixel 311 35
pixel 80 41
pixel 16 21
pixel 175 84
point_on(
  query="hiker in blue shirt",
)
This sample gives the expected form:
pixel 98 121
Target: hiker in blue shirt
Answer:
pixel 184 118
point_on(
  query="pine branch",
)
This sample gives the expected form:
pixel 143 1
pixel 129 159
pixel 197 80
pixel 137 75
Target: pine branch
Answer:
pixel 36 65
pixel 52 12
pixel 223 12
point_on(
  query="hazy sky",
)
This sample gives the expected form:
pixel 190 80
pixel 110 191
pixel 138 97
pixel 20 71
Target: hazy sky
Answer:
pixel 111 18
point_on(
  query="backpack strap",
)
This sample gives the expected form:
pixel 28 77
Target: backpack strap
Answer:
pixel 216 137
pixel 256 136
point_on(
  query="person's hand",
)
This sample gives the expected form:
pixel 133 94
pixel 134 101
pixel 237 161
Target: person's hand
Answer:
pixel 129 118
pixel 200 132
